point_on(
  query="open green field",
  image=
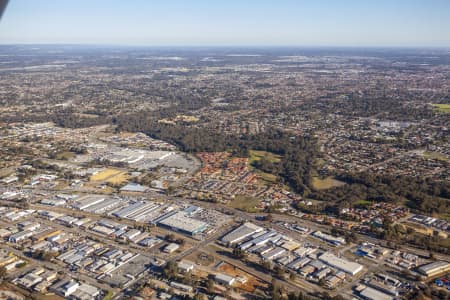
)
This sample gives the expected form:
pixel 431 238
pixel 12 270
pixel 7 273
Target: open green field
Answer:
pixel 326 183
pixel 444 108
pixel 267 177
pixel 66 155
pixel 5 172
pixel 435 155
pixel 256 155
pixel 363 203
pixel 245 203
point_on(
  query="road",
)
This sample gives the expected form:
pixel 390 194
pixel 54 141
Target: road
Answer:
pixel 297 285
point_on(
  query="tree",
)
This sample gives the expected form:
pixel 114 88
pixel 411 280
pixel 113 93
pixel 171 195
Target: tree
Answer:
pixel 170 190
pixel 199 297
pixel 170 237
pixel 171 270
pixel 276 292
pixel 266 265
pixel 279 271
pixel 210 286
pixel 322 281
pixel 239 253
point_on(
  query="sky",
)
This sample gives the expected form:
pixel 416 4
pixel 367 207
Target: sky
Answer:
pixel 353 23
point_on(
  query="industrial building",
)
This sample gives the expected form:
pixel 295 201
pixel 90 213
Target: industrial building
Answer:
pixel 185 266
pixel 224 279
pixel 182 287
pixel 373 294
pixel 172 247
pixel 134 188
pixel 434 268
pixel 336 241
pixel 346 266
pixel 87 201
pixel 245 230
pixel 179 221
pixel 138 211
pixel 388 289
pixel 104 206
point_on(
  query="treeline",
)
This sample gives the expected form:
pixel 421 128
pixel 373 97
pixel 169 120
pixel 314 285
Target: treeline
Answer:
pixel 297 152
pixel 420 194
pixel 370 105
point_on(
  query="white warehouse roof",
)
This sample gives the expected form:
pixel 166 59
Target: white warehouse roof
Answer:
pixel 349 267
pixel 179 221
pixel 245 230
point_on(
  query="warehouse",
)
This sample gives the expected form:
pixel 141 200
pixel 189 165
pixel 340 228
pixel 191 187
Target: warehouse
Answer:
pixel 85 291
pixel 103 230
pixel 434 268
pixel 143 212
pixel 136 210
pixel 180 222
pixel 53 202
pixel 274 253
pixel 104 206
pixel 50 215
pixel 134 188
pixel 87 201
pixel 185 266
pixel 20 236
pixel 111 224
pixel 336 241
pixel 373 294
pixel 224 279
pixel 346 266
pixel 131 234
pixel 388 289
pixel 240 233
pixel 172 247
pixel 182 287
pixel 149 241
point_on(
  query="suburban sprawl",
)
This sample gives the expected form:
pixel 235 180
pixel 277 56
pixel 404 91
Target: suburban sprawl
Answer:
pixel 145 173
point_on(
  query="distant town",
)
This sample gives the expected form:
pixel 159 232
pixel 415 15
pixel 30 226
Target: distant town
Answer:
pixel 224 173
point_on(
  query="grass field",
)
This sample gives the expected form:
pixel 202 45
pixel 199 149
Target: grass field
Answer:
pixel 66 155
pixel 110 175
pixel 267 177
pixel 256 155
pixel 363 203
pixel 444 108
pixel 5 172
pixel 435 155
pixel 326 183
pixel 245 203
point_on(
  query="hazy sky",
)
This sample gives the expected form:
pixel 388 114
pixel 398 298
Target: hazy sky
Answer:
pixel 229 22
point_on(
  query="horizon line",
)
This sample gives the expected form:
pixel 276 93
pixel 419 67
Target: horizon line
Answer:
pixel 311 46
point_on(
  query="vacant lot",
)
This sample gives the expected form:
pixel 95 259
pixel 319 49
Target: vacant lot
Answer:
pixel 65 155
pixel 250 283
pixel 266 177
pixel 110 175
pixel 326 183
pixel 435 155
pixel 256 155
pixel 245 203
pixel 444 108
